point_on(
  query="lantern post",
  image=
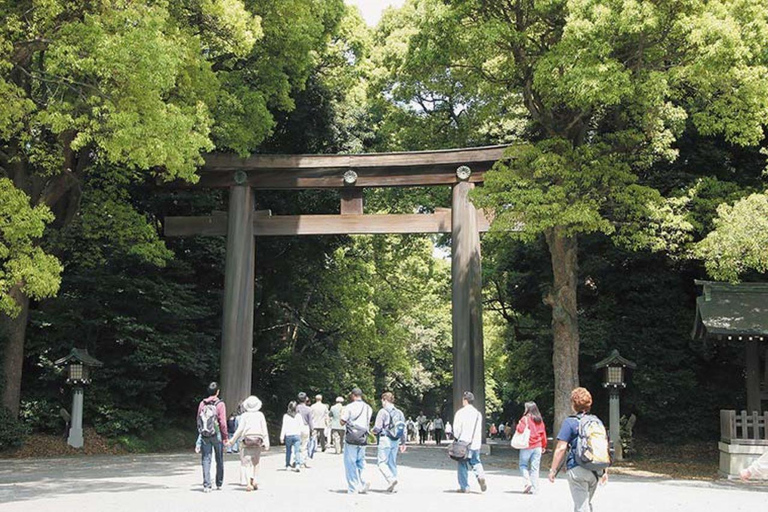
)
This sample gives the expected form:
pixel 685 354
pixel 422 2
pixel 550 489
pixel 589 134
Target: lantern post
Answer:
pixel 614 378
pixel 78 366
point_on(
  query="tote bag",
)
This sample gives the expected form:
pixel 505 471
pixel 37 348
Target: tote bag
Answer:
pixel 521 439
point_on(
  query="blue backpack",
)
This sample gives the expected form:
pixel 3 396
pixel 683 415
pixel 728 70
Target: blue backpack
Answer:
pixel 396 426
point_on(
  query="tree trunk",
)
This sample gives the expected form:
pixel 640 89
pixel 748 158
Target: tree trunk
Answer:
pixel 565 324
pixel 12 332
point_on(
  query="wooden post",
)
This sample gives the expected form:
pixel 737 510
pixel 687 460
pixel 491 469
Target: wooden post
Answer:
pixel 351 201
pixel 237 328
pixel 752 359
pixel 466 281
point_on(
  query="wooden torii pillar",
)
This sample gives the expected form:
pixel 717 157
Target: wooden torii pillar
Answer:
pixel 461 169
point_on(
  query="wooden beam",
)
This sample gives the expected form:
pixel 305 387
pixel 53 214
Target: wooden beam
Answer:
pixel 352 201
pixel 351 224
pixel 419 168
pixel 752 359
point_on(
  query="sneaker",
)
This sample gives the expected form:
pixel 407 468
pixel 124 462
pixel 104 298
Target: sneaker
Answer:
pixel 297 470
pixel 392 485
pixel 206 490
pixel 463 491
pixel 527 489
pixel 218 487
pixel 483 485
pixel 248 488
pixel 366 488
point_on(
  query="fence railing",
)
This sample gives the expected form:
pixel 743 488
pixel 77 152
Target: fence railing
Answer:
pixel 744 427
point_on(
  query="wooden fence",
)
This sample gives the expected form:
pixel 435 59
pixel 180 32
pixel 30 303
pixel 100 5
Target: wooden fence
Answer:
pixel 744 427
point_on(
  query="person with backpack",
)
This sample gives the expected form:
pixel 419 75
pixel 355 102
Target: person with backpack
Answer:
pixel 468 434
pixel 212 427
pixel 252 430
pixel 356 419
pixel 390 430
pixel 530 456
pixel 583 437
pixel 290 435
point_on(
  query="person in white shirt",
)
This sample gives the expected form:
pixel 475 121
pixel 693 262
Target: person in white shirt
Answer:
pixel 252 429
pixel 448 430
pixel 422 421
pixel 290 434
pixel 468 427
pixel 357 420
pixel 319 420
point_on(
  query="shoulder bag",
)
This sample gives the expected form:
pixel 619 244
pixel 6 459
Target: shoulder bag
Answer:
pixel 459 450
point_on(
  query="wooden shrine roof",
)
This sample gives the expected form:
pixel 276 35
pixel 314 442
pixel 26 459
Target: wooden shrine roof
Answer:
pixel 736 312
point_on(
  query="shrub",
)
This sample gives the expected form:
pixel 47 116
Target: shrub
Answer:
pixel 115 423
pixel 12 431
pixel 42 415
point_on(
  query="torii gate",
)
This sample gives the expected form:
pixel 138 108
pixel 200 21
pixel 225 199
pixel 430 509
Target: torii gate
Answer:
pixel 459 168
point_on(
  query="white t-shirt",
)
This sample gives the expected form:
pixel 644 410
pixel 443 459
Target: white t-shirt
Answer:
pixel 360 410
pixel 466 421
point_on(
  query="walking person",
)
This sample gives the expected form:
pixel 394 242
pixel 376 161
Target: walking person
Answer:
pixel 252 430
pixel 438 424
pixel 468 427
pixel 212 430
pixel 410 425
pixel 582 481
pixel 448 431
pixel 320 420
pixel 421 422
pixel 356 419
pixel 530 457
pixel 290 435
pixel 337 429
pixel 306 433
pixel 390 430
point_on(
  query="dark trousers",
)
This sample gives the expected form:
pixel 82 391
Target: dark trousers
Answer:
pixel 321 437
pixel 209 447
pixel 422 436
pixel 438 435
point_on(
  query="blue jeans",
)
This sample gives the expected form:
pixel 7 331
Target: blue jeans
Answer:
pixel 474 463
pixel 386 457
pixel 354 465
pixel 293 445
pixel 208 447
pixel 530 460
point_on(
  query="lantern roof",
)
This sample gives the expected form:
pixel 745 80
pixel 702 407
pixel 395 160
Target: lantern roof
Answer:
pixel 615 359
pixel 79 355
pixel 731 311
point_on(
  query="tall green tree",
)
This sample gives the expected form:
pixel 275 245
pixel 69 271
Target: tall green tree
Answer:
pixel 142 87
pixel 604 87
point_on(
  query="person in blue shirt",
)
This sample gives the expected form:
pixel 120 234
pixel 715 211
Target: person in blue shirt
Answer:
pixel 581 481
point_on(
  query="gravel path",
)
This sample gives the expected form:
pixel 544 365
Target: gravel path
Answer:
pixel 172 482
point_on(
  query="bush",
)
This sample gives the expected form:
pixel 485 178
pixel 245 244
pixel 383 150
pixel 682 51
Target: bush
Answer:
pixel 115 423
pixel 12 431
pixel 42 415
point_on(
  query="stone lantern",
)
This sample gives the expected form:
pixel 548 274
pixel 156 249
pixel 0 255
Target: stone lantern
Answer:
pixel 614 378
pixel 79 363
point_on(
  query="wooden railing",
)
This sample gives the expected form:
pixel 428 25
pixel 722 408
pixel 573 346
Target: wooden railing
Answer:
pixel 744 427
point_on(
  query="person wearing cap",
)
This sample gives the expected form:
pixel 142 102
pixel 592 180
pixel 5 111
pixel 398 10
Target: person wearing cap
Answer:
pixel 320 420
pixel 252 429
pixel 468 427
pixel 357 414
pixel 306 433
pixel 337 429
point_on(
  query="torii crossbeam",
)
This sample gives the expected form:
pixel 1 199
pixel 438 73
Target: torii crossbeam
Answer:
pixel 459 168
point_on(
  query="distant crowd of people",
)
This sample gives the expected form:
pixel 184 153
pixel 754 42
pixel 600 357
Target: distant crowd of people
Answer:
pixel 582 447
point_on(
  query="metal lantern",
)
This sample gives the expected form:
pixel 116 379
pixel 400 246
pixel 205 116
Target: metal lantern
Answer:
pixel 614 370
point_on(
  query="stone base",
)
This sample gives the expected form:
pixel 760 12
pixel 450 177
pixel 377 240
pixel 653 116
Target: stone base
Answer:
pixel 735 457
pixel 75 439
